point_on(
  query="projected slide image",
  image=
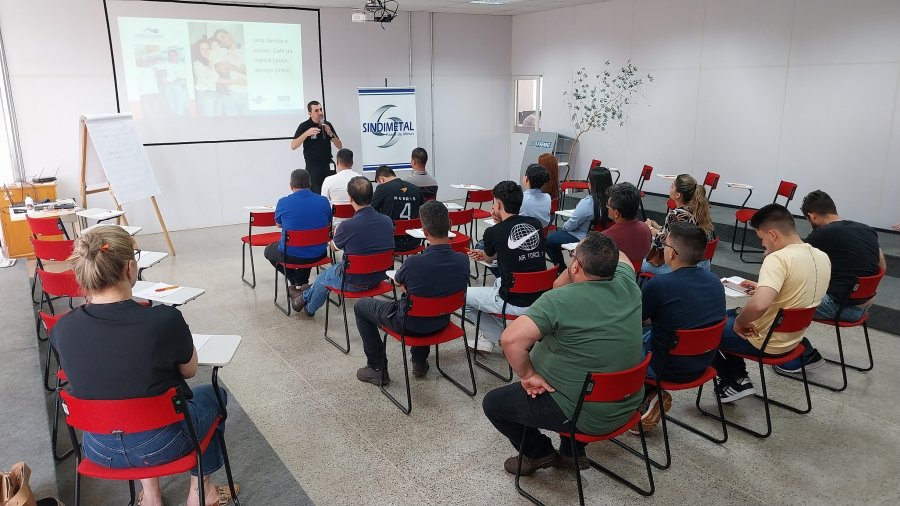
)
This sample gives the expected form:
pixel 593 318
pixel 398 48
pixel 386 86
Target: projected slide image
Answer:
pixel 206 68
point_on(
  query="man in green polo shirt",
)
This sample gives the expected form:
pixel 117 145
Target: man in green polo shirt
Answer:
pixel 589 322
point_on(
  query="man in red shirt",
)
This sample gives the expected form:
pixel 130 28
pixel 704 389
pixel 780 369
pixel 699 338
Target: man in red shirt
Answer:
pixel 631 235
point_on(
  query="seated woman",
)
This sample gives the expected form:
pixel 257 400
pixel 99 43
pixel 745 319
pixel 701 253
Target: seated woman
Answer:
pixel 590 213
pixel 114 348
pixel 692 207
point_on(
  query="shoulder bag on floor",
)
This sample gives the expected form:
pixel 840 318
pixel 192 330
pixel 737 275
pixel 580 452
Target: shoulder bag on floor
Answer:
pixel 14 488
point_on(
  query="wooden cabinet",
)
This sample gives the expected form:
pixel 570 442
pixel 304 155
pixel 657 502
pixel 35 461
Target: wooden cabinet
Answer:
pixel 16 231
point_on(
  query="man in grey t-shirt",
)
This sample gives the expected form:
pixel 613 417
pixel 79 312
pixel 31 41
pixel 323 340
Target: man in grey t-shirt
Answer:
pixel 420 176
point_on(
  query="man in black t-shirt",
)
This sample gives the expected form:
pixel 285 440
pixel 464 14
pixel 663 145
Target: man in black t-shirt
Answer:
pixel 517 242
pixel 854 252
pixel 398 199
pixel 316 136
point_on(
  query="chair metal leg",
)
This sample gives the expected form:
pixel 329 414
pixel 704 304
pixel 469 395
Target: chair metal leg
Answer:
pixel 509 375
pixel 132 492
pixel 244 265
pixel 286 309
pixel 231 488
pixel 743 249
pixel 54 436
pixel 408 408
pixel 342 301
pixel 47 386
pixel 633 486
pixel 519 488
pixel 841 363
pixel 437 363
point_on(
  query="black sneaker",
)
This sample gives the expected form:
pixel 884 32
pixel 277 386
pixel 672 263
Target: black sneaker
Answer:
pixel 420 369
pixel 368 375
pixel 813 361
pixel 730 391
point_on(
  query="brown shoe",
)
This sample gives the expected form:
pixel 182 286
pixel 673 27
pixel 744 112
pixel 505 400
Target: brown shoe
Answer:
pixel 293 292
pixel 650 415
pixel 563 462
pixel 529 465
pixel 298 303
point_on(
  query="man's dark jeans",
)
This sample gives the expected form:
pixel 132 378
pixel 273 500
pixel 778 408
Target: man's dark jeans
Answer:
pixel 371 314
pixel 295 277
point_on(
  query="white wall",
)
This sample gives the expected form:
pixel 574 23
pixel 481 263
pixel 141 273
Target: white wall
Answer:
pixel 59 67
pixel 801 90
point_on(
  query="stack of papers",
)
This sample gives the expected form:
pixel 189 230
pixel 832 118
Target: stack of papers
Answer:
pixel 733 287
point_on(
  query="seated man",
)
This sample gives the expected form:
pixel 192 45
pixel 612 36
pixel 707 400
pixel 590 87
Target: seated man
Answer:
pixel 420 177
pixel 301 210
pixel 366 233
pixel 631 235
pixel 399 200
pixel 793 275
pixel 437 272
pixel 590 322
pixel 334 187
pixel 688 297
pixel 536 203
pixel 854 252
pixel 517 242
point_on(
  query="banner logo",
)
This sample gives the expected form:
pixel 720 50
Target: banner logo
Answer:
pixel 392 125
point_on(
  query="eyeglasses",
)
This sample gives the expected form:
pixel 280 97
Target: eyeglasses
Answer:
pixel 665 245
pixel 137 253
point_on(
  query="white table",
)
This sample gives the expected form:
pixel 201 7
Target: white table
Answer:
pixel 667 176
pixel 145 290
pixel 566 213
pixel 132 230
pixel 570 246
pixel 466 187
pixel 489 222
pixel 147 259
pixel 260 209
pixel 217 351
pixel 99 214
pixel 452 206
pixel 419 234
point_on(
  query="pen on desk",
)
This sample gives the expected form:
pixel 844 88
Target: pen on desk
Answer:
pixel 163 289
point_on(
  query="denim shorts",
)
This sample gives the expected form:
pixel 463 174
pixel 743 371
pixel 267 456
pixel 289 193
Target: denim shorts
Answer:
pixel 163 445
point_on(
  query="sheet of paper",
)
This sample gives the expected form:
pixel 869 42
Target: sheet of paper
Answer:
pixel 733 287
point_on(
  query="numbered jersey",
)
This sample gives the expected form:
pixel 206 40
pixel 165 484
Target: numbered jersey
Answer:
pixel 400 200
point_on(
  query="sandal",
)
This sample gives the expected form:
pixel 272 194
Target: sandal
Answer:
pixel 225 494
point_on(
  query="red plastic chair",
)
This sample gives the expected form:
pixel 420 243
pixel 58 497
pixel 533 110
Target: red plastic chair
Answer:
pixel 693 342
pixel 478 197
pixel 139 415
pixel 463 219
pixel 866 287
pixel 554 206
pixel 787 320
pixel 49 251
pixel 523 283
pixel 743 215
pixel 429 307
pixel 49 227
pixel 712 181
pixel 300 238
pixel 249 241
pixel 342 211
pixel 606 387
pixel 57 284
pixel 400 228
pixel 359 264
pixel 645 176
pixel 48 321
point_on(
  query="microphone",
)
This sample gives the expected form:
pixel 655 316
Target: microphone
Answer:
pixel 322 127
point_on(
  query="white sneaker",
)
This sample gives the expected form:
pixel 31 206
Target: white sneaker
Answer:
pixel 484 345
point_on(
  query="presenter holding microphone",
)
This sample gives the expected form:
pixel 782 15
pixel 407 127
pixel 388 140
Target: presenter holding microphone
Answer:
pixel 316 136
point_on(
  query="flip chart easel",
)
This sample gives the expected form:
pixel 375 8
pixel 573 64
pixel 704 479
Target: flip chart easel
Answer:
pixel 121 162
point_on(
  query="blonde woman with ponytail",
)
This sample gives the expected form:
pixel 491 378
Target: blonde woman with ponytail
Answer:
pixel 690 206
pixel 113 348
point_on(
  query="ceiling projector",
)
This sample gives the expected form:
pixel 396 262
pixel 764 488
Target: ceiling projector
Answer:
pixel 376 11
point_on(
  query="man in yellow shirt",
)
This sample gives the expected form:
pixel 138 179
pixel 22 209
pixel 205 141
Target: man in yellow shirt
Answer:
pixel 793 275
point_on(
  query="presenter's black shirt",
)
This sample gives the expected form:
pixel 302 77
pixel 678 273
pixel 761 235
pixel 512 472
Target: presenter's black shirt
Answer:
pixel 518 243
pixel 400 200
pixel 122 350
pixel 316 151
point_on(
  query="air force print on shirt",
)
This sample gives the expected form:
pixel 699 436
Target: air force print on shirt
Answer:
pixel 524 236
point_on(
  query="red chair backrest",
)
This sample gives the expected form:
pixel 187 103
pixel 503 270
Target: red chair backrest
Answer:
pixel 54 251
pixel 460 243
pixel 595 163
pixel 342 211
pixel 312 237
pixel 671 204
pixel 426 307
pixel 866 286
pixel 533 282
pixel 262 218
pixel 45 226
pixel 793 320
pixel 127 415
pixel 59 284
pixel 786 189
pixel 645 172
pixel 698 341
pixel 369 264
pixel 463 217
pixel 710 251
pixel 554 206
pixel 49 320
pixel 574 185
pixel 479 196
pixel 401 226
pixel 615 386
pixel 711 180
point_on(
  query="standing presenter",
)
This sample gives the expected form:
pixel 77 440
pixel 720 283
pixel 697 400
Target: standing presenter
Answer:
pixel 316 136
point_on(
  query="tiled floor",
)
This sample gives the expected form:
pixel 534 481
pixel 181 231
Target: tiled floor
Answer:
pixel 346 444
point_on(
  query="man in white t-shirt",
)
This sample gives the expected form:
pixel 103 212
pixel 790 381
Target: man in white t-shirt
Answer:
pixel 335 186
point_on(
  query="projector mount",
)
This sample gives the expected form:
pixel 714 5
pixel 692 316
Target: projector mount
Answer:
pixel 376 11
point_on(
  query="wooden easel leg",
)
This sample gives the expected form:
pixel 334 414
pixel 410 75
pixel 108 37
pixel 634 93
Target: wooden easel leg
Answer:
pixel 162 223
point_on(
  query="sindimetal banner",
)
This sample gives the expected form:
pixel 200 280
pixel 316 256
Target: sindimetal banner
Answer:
pixel 388 125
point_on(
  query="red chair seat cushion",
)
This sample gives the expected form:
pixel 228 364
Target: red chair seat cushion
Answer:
pixel 322 261
pixel 857 323
pixel 794 354
pixel 449 333
pixel 707 375
pixel 481 214
pixel 382 288
pixel 590 438
pixel 261 239
pixel 744 215
pixel 186 463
